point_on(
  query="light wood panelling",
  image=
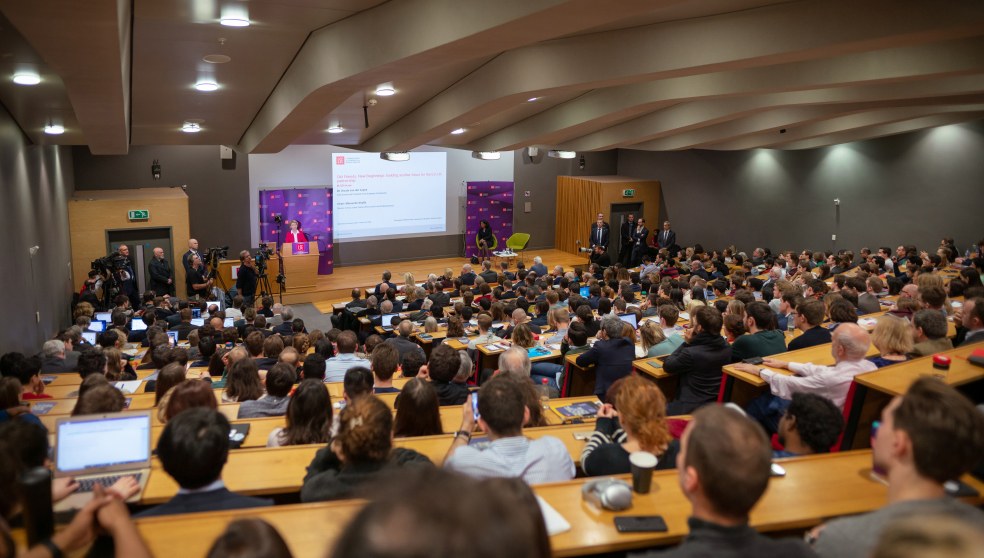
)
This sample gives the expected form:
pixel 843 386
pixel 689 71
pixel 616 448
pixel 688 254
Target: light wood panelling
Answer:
pixel 581 198
pixel 91 213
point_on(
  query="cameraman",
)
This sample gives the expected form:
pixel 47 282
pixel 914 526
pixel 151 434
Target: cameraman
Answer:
pixel 197 285
pixel 600 256
pixel 248 277
pixel 129 282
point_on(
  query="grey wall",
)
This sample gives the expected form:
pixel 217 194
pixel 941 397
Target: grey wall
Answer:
pixel 218 190
pixel 906 189
pixel 35 185
pixel 538 175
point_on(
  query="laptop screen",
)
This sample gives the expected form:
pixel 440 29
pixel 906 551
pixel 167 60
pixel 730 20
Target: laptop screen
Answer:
pixel 97 326
pixel 228 322
pixel 103 316
pixel 196 312
pixel 137 325
pixel 89 336
pixel 585 292
pixel 216 302
pixel 386 319
pixel 198 322
pixel 629 319
pixel 101 442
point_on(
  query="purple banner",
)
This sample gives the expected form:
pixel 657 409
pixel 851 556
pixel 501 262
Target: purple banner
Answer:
pixel 311 207
pixel 492 202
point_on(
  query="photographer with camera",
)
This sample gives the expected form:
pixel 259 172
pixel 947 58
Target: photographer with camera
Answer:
pixel 198 286
pixel 248 277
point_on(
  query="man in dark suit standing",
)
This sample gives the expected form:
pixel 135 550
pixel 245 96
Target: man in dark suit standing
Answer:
pixel 192 251
pixel 161 277
pixel 625 239
pixel 130 284
pixel 665 239
pixel 193 449
pixel 600 232
pixel 639 235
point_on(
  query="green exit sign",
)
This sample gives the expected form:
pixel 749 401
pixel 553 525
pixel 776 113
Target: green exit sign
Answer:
pixel 140 214
pixel 628 193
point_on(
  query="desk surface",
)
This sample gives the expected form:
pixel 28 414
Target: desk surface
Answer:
pixel 896 379
pixel 818 354
pixel 814 488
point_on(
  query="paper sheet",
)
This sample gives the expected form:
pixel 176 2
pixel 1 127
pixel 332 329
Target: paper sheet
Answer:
pixel 128 387
pixel 556 524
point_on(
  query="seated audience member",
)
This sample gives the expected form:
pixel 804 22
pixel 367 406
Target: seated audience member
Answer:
pixel 906 307
pixel 932 297
pixel 171 375
pixel 519 316
pixel 272 347
pixel 402 340
pixel 250 537
pixel 868 297
pixel 842 311
pixel 244 382
pixel 410 364
pixel 892 337
pixel 723 469
pixel 118 369
pixel 361 452
pixel 637 422
pixel 189 394
pixel 418 411
pixel 442 369
pixel 385 361
pixel 927 437
pixel 414 511
pixel 811 424
pixel 291 357
pixel 193 449
pixel 485 336
pixel 140 337
pixel 970 316
pixel 734 327
pixel 53 360
pixel 11 405
pixel 502 412
pixel 92 361
pixel 612 355
pixel 763 338
pixel 787 305
pixel 97 396
pixel 559 320
pixel 309 415
pixel 279 381
pixel 698 363
pixel 849 348
pixel 808 317
pixel 28 372
pixel 654 339
pixel 929 535
pixel 184 327
pixel 929 329
pixel 336 366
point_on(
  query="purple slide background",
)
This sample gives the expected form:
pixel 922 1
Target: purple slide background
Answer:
pixel 493 202
pixel 309 206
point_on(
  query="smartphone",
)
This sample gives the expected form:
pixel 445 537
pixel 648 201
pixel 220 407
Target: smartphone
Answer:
pixel 474 400
pixel 754 360
pixel 778 470
pixel 640 524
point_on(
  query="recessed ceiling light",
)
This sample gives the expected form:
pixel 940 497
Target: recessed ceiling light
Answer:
pixel 395 156
pixel 206 86
pixel 54 129
pixel 531 99
pixel 458 131
pixel 234 22
pixel 561 154
pixel 385 91
pixel 336 130
pixel 191 128
pixel 216 58
pixel 27 79
pixel 485 155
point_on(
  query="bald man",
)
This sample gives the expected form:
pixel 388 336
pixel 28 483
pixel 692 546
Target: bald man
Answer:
pixel 192 251
pixel 161 275
pixel 849 349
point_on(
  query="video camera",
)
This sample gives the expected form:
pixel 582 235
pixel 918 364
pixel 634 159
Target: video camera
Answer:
pixel 263 254
pixel 213 255
pixel 109 264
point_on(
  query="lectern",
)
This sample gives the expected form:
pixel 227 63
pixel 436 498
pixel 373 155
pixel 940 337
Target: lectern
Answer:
pixel 300 264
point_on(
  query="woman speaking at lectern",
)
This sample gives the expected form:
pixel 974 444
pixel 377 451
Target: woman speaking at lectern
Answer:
pixel 295 234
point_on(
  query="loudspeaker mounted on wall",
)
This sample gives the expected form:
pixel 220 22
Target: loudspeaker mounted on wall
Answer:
pixel 225 152
pixel 532 151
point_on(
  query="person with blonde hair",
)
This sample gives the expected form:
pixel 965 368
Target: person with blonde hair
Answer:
pixel 636 422
pixel 892 337
pixel 430 325
pixel 522 337
pixel 654 339
pixel 83 309
pixel 735 308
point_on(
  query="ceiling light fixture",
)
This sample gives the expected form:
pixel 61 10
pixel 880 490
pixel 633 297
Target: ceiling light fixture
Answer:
pixel 561 154
pixel 531 99
pixel 395 155
pixel 54 129
pixel 336 130
pixel 206 86
pixel 234 22
pixel 458 131
pixel 385 91
pixel 27 79
pixel 191 128
pixel 485 155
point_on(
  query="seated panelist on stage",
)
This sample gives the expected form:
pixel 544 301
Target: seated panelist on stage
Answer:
pixel 600 232
pixel 486 239
pixel 295 234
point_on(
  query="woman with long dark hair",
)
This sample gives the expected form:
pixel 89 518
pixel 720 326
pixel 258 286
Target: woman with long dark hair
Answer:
pixel 418 411
pixel 486 240
pixel 308 417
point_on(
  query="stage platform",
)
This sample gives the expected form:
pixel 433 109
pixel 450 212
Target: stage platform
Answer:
pixel 338 286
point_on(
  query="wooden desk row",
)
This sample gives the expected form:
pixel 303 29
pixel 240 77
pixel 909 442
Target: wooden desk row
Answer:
pixel 814 489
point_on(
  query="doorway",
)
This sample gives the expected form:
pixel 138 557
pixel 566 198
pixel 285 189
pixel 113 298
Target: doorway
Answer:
pixel 142 243
pixel 619 215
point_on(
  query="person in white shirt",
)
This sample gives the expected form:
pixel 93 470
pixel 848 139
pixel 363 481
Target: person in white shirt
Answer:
pixel 559 320
pixel 849 348
pixel 484 335
pixel 502 412
pixel 337 366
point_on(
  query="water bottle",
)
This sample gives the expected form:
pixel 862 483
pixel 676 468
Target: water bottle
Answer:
pixel 543 390
pixel 790 325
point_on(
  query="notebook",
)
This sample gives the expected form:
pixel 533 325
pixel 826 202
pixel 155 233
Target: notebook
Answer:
pixel 570 411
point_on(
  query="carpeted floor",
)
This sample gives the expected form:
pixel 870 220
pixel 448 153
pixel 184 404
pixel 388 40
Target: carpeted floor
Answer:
pixel 313 318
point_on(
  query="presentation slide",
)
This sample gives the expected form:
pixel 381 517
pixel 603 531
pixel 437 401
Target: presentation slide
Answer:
pixel 374 197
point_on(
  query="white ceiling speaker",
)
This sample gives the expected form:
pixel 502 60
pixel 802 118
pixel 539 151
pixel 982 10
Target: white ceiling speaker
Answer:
pixel 561 154
pixel 216 58
pixel 532 151
pixel 485 155
pixel 395 155
pixel 54 129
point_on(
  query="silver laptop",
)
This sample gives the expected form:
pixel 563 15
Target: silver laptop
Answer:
pixel 102 448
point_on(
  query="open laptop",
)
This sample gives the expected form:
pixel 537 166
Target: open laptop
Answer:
pixel 385 321
pixel 630 319
pixel 97 326
pixel 586 292
pixel 137 325
pixel 90 337
pixel 103 316
pixel 102 448
pixel 199 322
pixel 228 322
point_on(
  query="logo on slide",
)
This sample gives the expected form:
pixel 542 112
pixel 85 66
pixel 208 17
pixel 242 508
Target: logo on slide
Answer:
pixel 340 160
